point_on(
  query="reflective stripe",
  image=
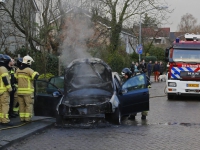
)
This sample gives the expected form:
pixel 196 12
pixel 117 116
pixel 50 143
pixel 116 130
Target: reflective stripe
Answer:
pixel 16 109
pixel 22 114
pixel 0 115
pixel 25 90
pixel 27 115
pixel 8 86
pixel 33 75
pixel 4 115
pixel 4 74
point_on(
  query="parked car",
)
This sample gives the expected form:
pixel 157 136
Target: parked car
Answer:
pixel 92 90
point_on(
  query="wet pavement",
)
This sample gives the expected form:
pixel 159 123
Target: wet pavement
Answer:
pixel 170 125
pixel 19 131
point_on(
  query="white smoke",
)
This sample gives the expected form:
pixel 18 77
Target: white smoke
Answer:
pixel 79 30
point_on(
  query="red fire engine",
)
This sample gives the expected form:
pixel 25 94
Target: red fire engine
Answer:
pixel 183 58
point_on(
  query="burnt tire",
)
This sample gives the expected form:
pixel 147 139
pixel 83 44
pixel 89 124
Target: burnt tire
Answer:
pixel 116 117
pixel 108 117
pixel 170 97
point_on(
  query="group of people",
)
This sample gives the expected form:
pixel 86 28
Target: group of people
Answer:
pixel 16 89
pixel 158 69
pixel 138 67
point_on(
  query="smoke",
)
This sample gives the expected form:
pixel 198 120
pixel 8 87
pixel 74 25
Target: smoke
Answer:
pixel 78 30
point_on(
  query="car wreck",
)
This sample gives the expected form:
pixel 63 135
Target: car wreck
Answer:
pixel 91 92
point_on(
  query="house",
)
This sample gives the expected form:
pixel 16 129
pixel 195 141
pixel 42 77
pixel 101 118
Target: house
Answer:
pixel 159 36
pixel 174 35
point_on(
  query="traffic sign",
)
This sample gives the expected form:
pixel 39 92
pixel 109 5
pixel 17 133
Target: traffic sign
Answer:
pixel 139 49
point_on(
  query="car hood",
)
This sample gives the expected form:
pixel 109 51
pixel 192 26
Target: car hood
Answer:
pixel 88 73
pixel 87 96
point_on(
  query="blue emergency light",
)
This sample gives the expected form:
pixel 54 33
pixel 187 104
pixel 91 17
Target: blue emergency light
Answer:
pixel 177 40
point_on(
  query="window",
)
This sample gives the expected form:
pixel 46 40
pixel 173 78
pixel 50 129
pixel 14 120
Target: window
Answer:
pixel 134 83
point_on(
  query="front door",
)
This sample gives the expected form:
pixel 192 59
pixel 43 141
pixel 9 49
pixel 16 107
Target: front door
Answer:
pixel 135 95
pixel 44 102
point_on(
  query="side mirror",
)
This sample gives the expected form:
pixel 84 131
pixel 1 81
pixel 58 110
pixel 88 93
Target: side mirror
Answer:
pixel 167 54
pixel 56 94
pixel 123 91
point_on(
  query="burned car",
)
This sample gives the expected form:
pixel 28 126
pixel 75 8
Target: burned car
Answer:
pixel 92 91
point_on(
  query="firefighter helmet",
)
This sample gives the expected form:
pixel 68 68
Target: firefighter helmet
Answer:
pixel 7 59
pixel 126 71
pixel 2 58
pixel 27 60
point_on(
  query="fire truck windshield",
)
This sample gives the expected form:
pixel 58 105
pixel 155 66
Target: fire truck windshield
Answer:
pixel 186 55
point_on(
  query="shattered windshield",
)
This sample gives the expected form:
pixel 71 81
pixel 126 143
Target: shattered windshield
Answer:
pixel 85 75
pixel 186 55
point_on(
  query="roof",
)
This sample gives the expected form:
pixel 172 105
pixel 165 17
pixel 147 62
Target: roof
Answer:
pixel 174 35
pixel 159 32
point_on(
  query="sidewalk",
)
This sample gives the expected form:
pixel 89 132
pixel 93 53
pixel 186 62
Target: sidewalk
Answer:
pixel 12 134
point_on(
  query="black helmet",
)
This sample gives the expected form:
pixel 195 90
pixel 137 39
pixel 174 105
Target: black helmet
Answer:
pixel 126 71
pixel 2 58
pixel 7 59
pixel 19 62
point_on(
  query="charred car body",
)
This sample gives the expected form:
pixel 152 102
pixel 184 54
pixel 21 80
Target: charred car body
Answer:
pixel 92 90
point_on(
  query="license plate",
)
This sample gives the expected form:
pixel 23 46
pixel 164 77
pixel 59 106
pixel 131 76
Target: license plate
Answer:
pixel 192 85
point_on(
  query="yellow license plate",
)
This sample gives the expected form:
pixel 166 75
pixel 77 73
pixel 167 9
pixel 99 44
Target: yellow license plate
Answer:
pixel 192 85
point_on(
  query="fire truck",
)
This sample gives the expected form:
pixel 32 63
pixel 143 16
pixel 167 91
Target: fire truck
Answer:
pixel 183 57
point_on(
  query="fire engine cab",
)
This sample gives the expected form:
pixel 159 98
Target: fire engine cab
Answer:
pixel 183 77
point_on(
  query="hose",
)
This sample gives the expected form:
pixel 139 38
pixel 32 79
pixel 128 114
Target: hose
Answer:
pixel 17 126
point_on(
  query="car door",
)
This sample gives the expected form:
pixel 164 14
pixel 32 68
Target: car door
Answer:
pixel 134 95
pixel 44 102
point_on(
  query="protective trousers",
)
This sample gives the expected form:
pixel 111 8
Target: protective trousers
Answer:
pixel 11 102
pixel 144 113
pixel 4 107
pixel 15 104
pixel 25 107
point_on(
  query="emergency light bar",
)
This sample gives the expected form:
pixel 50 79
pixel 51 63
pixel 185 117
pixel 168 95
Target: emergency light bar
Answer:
pixel 192 36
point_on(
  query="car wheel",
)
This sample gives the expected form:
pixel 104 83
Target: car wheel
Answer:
pixel 170 97
pixel 117 116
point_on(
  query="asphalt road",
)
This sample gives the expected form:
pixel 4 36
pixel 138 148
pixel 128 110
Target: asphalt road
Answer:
pixel 170 125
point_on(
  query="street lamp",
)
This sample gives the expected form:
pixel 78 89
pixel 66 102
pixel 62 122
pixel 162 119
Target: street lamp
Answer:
pixel 140 24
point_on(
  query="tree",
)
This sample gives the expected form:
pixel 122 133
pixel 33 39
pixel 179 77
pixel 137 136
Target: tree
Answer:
pixel 37 33
pixel 120 11
pixel 188 24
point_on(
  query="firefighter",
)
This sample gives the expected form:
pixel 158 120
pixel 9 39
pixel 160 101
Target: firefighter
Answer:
pixel 25 77
pixel 15 103
pixel 10 63
pixel 126 73
pixel 5 89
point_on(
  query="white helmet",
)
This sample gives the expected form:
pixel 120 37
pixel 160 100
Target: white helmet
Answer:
pixel 27 60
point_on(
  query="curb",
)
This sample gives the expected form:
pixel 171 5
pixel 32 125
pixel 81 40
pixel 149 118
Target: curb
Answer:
pixel 14 141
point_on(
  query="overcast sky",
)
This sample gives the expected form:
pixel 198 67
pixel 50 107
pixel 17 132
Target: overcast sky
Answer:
pixel 181 7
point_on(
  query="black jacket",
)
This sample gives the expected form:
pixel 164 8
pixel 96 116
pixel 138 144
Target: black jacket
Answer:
pixel 156 67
